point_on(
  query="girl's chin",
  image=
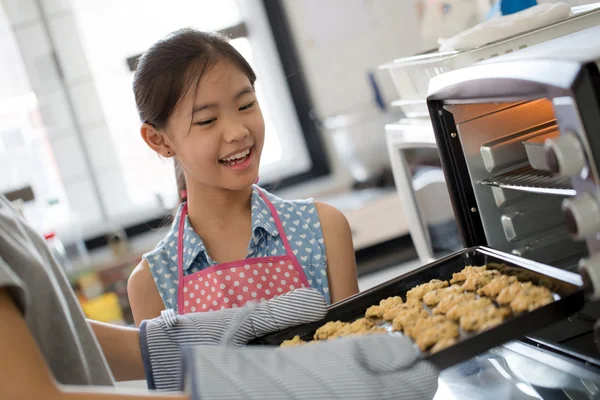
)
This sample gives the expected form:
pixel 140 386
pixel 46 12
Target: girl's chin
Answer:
pixel 239 182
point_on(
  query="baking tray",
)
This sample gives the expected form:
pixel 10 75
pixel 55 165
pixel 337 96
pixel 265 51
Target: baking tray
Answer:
pixel 566 286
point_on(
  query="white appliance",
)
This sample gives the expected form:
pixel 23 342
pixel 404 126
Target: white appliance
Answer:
pixel 421 185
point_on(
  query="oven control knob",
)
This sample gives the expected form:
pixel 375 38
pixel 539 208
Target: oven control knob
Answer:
pixel 582 215
pixel 565 154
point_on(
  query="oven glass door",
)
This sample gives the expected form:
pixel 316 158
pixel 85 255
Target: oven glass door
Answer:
pixel 432 199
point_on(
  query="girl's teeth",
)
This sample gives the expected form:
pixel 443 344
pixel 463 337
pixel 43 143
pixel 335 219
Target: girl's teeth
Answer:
pixel 237 156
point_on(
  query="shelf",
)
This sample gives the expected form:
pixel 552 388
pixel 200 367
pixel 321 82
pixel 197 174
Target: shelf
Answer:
pixel 530 180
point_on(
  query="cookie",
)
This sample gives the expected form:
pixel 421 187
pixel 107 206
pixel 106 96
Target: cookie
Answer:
pixel 476 281
pixel 462 276
pixel 391 313
pixel 408 318
pixel 531 297
pixel 361 326
pixel 418 292
pixel 443 344
pixel 476 320
pixel 391 301
pixel 496 285
pixel 329 329
pixel 432 298
pixel 422 323
pixel 491 323
pixel 451 300
pixel 377 311
pixel 508 294
pixel 434 334
pixel 295 341
pixel 462 308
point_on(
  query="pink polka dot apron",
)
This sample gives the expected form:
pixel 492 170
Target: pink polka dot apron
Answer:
pixel 233 284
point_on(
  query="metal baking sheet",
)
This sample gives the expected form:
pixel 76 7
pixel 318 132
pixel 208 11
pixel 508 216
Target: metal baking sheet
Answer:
pixel 566 286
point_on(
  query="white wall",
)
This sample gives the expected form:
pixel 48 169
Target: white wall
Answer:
pixel 338 42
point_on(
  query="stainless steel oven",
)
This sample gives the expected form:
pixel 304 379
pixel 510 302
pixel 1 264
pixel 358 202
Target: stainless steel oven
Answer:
pixel 519 141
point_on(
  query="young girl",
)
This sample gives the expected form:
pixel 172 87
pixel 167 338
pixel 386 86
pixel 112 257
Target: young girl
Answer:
pixel 231 242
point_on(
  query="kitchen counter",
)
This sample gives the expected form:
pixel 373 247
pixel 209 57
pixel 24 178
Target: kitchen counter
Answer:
pixel 103 258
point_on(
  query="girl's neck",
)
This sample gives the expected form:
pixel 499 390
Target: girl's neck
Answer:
pixel 209 207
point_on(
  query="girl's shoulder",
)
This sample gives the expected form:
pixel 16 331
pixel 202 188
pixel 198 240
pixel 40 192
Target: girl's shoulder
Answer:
pixel 162 263
pixel 167 246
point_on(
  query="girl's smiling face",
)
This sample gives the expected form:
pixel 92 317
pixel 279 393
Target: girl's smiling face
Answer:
pixel 217 130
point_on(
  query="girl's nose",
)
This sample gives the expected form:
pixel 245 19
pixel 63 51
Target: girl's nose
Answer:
pixel 235 131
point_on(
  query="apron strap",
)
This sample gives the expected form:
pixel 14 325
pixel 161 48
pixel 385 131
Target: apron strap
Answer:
pixel 180 231
pixel 284 239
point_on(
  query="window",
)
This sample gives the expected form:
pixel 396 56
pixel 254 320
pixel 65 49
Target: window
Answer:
pixel 26 156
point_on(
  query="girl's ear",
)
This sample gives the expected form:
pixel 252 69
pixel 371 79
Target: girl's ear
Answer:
pixel 156 140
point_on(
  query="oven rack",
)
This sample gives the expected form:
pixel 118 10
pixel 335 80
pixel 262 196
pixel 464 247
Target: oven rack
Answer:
pixel 527 179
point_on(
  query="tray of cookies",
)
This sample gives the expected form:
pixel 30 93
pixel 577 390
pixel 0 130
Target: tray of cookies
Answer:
pixel 454 308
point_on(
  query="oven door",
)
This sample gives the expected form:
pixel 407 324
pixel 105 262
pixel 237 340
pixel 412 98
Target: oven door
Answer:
pixel 421 185
pixel 491 110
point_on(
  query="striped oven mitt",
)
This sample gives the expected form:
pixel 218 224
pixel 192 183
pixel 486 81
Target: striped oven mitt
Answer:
pixel 378 366
pixel 163 338
pixel 368 367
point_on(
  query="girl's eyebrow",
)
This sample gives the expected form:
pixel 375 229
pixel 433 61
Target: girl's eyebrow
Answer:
pixel 246 90
pixel 201 107
pixel 198 108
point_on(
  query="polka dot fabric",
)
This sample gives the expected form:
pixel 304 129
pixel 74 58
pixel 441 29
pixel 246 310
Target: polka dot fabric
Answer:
pixel 234 287
pixel 227 284
pixel 301 227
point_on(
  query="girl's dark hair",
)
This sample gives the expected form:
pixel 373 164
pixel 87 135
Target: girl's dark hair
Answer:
pixel 170 67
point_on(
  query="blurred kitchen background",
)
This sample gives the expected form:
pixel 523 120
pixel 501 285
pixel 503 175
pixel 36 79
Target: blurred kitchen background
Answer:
pixel 72 160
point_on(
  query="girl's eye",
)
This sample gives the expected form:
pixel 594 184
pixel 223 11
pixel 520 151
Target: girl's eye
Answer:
pixel 206 121
pixel 247 106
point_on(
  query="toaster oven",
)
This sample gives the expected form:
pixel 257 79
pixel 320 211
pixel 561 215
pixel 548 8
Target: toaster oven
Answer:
pixel 519 141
